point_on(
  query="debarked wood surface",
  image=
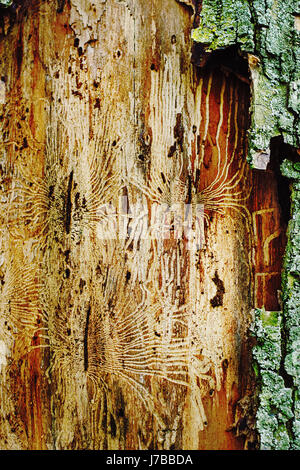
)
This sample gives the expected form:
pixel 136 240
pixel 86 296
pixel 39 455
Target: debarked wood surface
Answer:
pixel 124 341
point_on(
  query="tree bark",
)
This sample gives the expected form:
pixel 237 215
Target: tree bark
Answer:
pixel 112 340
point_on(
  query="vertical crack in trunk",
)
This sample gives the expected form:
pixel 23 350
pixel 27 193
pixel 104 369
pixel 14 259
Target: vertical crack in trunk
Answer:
pixel 69 204
pixel 85 340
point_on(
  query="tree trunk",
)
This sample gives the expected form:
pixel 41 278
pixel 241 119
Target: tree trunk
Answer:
pixel 122 328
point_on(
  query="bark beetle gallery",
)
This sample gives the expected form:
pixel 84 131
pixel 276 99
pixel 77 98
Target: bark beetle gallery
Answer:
pixel 125 341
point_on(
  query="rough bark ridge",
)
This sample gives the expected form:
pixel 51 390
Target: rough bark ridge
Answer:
pixel 111 339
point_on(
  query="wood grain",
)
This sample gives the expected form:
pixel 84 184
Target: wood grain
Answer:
pixel 114 340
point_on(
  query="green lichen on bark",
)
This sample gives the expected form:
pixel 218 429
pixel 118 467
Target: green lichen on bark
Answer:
pixel 291 295
pixel 266 30
pixel 5 3
pixel 275 409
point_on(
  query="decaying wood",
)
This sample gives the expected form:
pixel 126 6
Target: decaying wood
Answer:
pixel 124 342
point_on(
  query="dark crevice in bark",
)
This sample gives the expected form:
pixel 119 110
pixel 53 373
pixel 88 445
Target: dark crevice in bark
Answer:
pixel 217 301
pixel 228 60
pixel 85 342
pixel 60 6
pixel 69 203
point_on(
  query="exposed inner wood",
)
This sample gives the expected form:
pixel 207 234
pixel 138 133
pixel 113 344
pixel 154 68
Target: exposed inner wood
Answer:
pixel 112 339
